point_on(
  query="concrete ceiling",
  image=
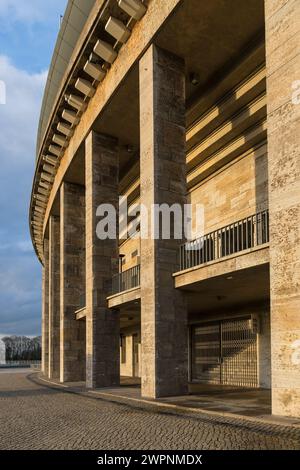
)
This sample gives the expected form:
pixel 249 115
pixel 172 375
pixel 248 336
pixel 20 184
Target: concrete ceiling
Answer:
pixel 130 315
pixel 213 37
pixel 231 290
pixel 225 293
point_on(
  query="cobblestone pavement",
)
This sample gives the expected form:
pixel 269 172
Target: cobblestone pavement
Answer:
pixel 34 416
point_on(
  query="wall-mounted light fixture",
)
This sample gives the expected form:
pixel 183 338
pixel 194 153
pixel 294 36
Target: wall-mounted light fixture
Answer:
pixel 194 78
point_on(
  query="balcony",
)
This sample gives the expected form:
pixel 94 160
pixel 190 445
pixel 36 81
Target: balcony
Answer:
pixel 233 238
pixel 129 279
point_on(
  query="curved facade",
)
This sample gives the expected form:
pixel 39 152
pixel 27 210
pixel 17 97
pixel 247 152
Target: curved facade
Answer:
pixel 72 24
pixel 171 104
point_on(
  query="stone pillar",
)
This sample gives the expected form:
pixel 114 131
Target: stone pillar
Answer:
pixel 54 297
pixel 45 310
pixel 72 281
pixel 103 330
pixel 283 95
pixel 163 180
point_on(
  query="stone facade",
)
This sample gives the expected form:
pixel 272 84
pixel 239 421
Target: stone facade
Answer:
pixel 54 297
pixel 163 180
pixel 72 281
pixel 213 143
pixel 283 71
pixel 264 347
pixel 130 352
pixel 240 189
pixel 45 310
pixel 102 324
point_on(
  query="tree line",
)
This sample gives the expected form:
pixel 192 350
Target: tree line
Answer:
pixel 22 348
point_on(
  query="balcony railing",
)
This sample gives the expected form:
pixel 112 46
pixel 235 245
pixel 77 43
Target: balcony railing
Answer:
pixel 238 236
pixel 128 279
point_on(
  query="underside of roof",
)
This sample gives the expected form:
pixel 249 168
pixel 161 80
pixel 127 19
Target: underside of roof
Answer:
pixel 74 19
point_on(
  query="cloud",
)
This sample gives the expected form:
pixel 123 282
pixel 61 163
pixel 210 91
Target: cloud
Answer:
pixel 29 11
pixel 19 115
pixel 23 246
pixel 20 286
pixel 27 36
pixel 28 31
pixel 20 273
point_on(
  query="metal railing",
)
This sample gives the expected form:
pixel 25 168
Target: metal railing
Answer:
pixel 126 280
pixel 238 236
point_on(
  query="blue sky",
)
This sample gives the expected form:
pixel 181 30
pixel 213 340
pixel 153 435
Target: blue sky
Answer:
pixel 27 38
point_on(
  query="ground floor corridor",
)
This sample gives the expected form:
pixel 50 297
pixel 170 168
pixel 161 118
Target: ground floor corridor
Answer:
pixel 230 348
pixel 35 416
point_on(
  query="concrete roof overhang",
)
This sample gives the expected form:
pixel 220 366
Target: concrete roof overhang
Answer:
pixel 73 21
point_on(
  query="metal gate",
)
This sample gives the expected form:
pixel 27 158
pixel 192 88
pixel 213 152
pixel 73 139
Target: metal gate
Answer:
pixel 225 352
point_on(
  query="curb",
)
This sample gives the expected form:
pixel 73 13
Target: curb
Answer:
pixel 276 423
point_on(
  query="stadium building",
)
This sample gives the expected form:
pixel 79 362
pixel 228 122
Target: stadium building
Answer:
pixel 173 102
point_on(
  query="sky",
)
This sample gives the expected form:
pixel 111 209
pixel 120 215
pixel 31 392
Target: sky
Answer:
pixel 28 32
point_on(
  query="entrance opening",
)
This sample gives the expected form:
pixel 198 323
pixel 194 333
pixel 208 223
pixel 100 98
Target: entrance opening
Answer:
pixel 225 352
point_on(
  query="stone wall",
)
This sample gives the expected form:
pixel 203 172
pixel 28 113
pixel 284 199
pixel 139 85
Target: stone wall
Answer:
pixel 45 310
pixel 129 248
pixel 127 367
pixel 264 347
pixel 72 282
pixel 54 297
pixel 102 324
pixel 283 75
pixel 238 190
pixel 163 180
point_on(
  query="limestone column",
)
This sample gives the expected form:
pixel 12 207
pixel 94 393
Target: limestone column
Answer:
pixel 163 180
pixel 283 95
pixel 45 309
pixel 72 281
pixel 102 178
pixel 54 297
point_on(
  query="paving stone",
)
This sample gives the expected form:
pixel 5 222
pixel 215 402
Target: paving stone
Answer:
pixel 34 416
